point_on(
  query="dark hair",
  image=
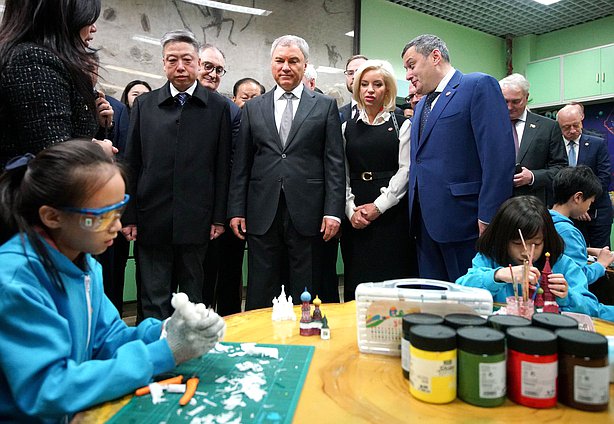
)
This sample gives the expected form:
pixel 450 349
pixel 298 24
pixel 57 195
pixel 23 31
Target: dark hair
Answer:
pixel 353 58
pixel 124 98
pixel 65 174
pixel 571 180
pixel 242 81
pixel 527 214
pixel 425 44
pixel 54 25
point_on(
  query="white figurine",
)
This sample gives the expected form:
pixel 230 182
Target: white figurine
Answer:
pixel 282 307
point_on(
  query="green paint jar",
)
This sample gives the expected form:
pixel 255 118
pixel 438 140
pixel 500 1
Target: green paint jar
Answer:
pixel 457 321
pixel 481 366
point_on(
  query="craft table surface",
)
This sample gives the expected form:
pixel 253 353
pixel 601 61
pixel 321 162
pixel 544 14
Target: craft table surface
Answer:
pixel 346 386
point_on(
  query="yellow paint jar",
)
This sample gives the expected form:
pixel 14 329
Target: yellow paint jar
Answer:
pixel 432 366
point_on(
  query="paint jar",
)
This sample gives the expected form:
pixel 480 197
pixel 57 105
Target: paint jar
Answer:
pixel 611 356
pixel 584 378
pixel 432 366
pixel 503 322
pixel 551 321
pixel 519 307
pixel 481 366
pixel 532 366
pixel 409 321
pixel 457 321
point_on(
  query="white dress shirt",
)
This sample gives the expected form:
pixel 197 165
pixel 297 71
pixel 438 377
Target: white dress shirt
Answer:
pixel 576 147
pixel 281 102
pixel 442 85
pixel 397 187
pixel 190 89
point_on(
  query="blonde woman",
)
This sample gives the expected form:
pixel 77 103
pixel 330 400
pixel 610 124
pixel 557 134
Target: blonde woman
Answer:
pixel 377 244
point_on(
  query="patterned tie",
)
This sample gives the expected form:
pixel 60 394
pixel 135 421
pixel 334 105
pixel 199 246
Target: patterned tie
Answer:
pixel 426 111
pixel 182 98
pixel 572 153
pixel 286 119
pixel 515 134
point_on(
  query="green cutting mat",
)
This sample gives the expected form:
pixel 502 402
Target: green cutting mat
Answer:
pixel 282 380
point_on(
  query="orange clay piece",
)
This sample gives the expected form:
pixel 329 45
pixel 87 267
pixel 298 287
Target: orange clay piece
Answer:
pixel 173 380
pixel 190 389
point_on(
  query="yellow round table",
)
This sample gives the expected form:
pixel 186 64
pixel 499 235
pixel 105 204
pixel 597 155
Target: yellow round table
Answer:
pixel 346 386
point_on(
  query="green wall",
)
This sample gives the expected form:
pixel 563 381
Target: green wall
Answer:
pixel 387 27
pixel 579 37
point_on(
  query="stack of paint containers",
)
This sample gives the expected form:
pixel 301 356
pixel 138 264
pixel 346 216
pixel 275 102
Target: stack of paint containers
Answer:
pixel 535 363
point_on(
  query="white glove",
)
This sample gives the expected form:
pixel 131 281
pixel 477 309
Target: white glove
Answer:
pixel 192 330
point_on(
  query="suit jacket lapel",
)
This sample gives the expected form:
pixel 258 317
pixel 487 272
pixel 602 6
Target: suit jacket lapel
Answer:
pixel 584 146
pixel 442 101
pixel 308 101
pixel 268 114
pixel 528 135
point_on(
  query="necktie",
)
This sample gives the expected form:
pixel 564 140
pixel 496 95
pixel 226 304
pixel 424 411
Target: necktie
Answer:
pixel 182 98
pixel 515 134
pixel 286 119
pixel 572 153
pixel 354 112
pixel 427 109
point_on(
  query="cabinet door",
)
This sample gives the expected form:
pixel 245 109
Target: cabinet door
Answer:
pixel 545 79
pixel 607 70
pixel 582 74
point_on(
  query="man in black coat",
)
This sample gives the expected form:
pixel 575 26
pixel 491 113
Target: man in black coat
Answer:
pixel 288 179
pixel 178 156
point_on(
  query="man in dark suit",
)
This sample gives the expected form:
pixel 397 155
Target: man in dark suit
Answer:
pixel 178 157
pixel 540 153
pixel 223 288
pixel 462 158
pixel 288 179
pixel 348 110
pixel 591 151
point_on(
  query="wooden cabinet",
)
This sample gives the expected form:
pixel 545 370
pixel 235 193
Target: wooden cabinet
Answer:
pixel 585 75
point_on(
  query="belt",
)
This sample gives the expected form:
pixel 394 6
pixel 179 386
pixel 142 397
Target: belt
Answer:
pixel 371 175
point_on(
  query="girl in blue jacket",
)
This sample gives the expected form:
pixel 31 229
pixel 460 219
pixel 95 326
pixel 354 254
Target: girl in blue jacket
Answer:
pixel 500 245
pixel 63 346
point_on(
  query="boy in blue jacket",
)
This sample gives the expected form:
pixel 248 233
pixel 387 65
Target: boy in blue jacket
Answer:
pixel 575 188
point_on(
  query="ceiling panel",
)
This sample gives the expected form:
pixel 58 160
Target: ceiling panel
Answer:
pixel 513 17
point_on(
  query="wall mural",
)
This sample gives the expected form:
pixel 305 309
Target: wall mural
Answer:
pixel 128 32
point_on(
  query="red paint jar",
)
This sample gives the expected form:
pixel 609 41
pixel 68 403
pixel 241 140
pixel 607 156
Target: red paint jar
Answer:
pixel 532 367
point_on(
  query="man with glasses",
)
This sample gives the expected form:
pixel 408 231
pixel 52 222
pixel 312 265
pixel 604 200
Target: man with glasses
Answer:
pixel 178 157
pixel 349 110
pixel 223 288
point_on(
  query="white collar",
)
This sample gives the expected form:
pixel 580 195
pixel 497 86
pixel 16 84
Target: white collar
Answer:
pixel 190 89
pixel 446 79
pixel 297 91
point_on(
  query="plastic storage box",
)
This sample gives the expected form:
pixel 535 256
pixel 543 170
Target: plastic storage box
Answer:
pixel 380 308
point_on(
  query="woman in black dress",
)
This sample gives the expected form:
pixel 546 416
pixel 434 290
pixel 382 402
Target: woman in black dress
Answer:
pixel 377 237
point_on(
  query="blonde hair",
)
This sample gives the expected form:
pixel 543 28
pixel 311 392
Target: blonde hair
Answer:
pixel 387 72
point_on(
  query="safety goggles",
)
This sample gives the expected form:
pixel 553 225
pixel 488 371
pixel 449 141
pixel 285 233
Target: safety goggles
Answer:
pixel 99 219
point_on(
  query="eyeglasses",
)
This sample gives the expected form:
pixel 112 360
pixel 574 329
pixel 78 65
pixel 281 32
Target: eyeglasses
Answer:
pixel 409 98
pixel 209 67
pixel 99 219
pixel 349 72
